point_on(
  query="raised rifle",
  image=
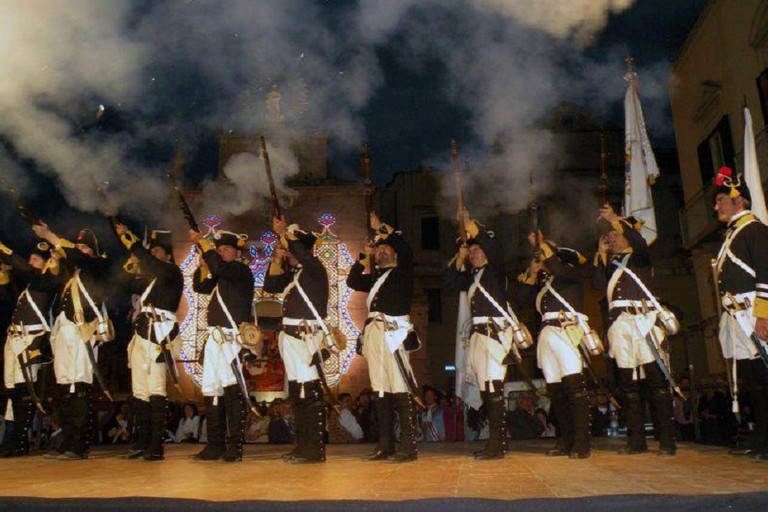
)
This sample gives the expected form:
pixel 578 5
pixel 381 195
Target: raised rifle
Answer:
pixel 459 190
pixel 183 205
pixel 268 169
pixel 602 188
pixel 109 210
pixel 370 189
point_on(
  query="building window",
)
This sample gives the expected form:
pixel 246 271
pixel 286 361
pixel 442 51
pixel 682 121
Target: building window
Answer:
pixel 762 90
pixel 430 234
pixel 434 305
pixel 716 151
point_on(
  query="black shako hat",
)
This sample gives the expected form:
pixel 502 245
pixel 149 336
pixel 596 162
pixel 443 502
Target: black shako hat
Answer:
pixel 228 238
pixel 726 184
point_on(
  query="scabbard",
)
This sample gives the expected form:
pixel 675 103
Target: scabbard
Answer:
pixel 25 371
pixel 513 357
pixel 595 379
pixel 96 371
pixel 410 381
pixel 649 338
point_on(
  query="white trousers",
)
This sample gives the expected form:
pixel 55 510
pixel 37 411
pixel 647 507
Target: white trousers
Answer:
pixel 626 336
pixel 148 377
pixel 556 354
pixel 70 359
pixel 485 356
pixel 297 354
pixel 382 368
pixel 220 350
pixel 15 345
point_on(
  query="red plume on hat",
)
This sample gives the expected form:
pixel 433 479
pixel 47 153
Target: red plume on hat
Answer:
pixel 724 175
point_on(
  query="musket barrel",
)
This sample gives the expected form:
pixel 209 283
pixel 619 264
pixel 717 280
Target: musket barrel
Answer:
pixel 270 179
pixel 183 205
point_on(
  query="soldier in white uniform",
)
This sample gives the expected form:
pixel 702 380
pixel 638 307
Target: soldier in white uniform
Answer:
pixel 159 283
pixel 742 273
pixel 387 333
pixel 623 269
pixel 229 281
pixel 300 276
pixel 28 343
pixel 554 282
pixel 80 327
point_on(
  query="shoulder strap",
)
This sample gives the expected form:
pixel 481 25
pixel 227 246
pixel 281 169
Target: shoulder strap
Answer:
pixel 147 291
pixel 36 309
pixel 375 288
pixel 640 283
pixel 226 310
pixel 311 307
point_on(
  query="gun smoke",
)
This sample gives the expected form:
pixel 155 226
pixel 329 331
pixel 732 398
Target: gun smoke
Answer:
pixel 175 70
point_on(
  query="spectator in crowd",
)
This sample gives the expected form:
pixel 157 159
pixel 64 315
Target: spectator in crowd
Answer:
pixel 682 409
pixel 601 415
pixel 117 429
pixel 522 422
pixel 453 418
pixel 432 426
pixel 280 431
pixel 189 425
pixel 257 427
pixel 343 426
pixel 717 422
pixel 366 416
pixel 543 417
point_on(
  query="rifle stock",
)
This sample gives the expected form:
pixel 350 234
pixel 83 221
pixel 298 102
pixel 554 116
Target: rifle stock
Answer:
pixel 183 205
pixel 268 169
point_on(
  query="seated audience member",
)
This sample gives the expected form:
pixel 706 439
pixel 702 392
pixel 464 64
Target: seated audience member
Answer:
pixel 431 419
pixel 522 422
pixel 280 431
pixel 117 429
pixel 342 425
pixel 453 418
pixel 189 425
pixel 366 417
pixel 601 415
pixel 543 417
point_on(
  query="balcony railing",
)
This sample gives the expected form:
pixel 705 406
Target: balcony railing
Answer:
pixel 697 219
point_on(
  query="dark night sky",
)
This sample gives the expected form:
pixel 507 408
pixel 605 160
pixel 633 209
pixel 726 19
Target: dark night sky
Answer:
pixel 408 120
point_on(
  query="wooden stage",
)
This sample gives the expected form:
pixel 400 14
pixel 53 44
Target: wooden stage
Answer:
pixel 444 470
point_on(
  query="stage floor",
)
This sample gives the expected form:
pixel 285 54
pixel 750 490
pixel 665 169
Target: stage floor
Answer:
pixel 444 470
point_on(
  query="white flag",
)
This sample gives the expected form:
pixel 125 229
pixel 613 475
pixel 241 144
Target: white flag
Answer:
pixel 466 385
pixel 752 170
pixel 641 169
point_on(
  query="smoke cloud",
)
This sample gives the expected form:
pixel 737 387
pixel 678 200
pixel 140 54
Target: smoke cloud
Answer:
pixel 171 71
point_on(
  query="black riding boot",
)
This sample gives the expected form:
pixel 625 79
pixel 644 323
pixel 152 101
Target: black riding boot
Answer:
pixel 581 424
pixel 559 402
pixel 313 428
pixel 82 423
pixel 215 421
pixel 494 448
pixel 64 409
pixel 294 390
pixel 141 415
pixel 406 451
pixel 384 417
pixel 634 413
pixel 660 400
pixel 23 414
pixel 157 417
pixel 236 416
